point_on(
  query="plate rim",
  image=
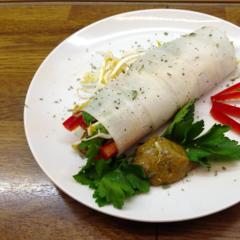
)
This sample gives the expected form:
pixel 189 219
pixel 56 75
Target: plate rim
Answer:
pixel 27 134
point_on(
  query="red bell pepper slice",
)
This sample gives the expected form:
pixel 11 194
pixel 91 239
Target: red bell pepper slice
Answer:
pixel 108 150
pixel 226 108
pixel 232 92
pixel 225 119
pixel 74 121
pixel 227 96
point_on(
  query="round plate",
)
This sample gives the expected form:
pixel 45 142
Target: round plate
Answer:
pixel 53 91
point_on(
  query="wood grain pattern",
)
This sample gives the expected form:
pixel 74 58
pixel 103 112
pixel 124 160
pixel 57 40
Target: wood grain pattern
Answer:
pixel 31 207
pixel 119 1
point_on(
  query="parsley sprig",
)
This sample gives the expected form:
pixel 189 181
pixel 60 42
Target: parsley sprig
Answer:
pixel 88 119
pixel 201 148
pixel 113 180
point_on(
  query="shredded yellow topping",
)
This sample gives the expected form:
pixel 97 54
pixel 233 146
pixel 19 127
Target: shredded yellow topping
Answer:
pixel 110 69
pixel 78 108
pixel 158 43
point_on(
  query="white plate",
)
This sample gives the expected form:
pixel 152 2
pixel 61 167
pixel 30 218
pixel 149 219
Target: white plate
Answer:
pixel 53 91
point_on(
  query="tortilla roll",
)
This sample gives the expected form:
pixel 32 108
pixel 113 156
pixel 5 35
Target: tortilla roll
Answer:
pixel 160 82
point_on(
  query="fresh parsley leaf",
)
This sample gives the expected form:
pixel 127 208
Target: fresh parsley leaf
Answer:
pixel 218 146
pixel 91 147
pixel 113 188
pixel 113 180
pixel 102 166
pixel 202 149
pixel 195 130
pixel 117 185
pixel 138 184
pixel 82 178
pixel 86 175
pixel 88 119
pixel 181 124
pixel 92 172
pixel 99 128
pixel 199 156
pixel 134 169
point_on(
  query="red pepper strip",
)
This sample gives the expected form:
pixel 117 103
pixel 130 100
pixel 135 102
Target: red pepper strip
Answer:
pixel 234 88
pixel 74 121
pixel 228 109
pixel 98 157
pixel 225 119
pixel 227 96
pixel 108 150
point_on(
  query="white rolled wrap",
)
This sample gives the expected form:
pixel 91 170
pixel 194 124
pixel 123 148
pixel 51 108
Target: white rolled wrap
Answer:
pixel 160 82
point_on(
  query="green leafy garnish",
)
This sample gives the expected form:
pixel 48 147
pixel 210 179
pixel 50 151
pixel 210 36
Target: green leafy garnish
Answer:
pixel 116 179
pixel 88 119
pixel 181 124
pixel 92 171
pixel 99 128
pixel 215 145
pixel 211 146
pixel 90 147
pixel 113 180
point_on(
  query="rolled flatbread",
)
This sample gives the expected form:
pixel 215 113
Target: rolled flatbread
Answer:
pixel 160 82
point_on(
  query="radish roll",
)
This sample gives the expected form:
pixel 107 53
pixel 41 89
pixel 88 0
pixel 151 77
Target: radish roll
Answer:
pixel 160 82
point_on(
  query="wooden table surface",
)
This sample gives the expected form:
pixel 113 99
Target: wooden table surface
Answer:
pixel 31 207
